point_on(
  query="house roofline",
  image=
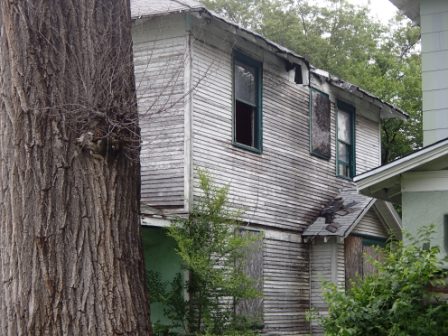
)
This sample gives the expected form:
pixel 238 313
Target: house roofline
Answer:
pixel 390 218
pixel 201 10
pixel 410 8
pixel 387 109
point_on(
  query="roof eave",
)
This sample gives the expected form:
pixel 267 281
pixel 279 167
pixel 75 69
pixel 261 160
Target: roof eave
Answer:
pixel 385 182
pixel 390 218
pixel 259 39
pixel 410 8
pixel 387 110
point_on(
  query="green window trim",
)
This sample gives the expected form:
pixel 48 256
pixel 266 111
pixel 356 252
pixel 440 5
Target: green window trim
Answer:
pixel 349 165
pixel 247 115
pixel 370 240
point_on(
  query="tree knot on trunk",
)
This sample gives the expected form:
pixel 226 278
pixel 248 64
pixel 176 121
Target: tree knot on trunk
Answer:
pixel 98 147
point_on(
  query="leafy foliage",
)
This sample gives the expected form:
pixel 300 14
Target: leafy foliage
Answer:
pixel 339 37
pixel 395 300
pixel 214 256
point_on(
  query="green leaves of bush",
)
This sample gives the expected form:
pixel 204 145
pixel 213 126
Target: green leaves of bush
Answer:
pixel 213 253
pixel 395 301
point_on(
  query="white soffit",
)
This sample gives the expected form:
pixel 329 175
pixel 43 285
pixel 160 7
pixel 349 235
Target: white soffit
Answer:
pixel 410 8
pixel 393 170
pixel 425 181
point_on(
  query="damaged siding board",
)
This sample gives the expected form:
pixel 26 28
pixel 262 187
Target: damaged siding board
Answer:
pixel 286 287
pixel 159 53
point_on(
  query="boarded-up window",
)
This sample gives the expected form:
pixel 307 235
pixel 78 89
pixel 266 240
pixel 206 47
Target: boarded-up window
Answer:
pixel 320 111
pixel 252 309
pixel 358 251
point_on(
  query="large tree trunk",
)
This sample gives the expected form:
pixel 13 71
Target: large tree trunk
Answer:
pixel 70 249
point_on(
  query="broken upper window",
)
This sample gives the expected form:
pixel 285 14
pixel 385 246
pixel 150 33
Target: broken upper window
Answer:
pixel 346 140
pixel 320 110
pixel 247 105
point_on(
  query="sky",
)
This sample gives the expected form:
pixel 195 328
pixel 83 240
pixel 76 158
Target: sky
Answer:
pixel 380 9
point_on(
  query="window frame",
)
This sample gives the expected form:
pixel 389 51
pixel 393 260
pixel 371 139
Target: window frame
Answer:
pixel 238 56
pixel 312 114
pixel 351 111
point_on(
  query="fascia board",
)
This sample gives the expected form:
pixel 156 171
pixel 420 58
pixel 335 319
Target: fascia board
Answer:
pixel 401 166
pixel 358 219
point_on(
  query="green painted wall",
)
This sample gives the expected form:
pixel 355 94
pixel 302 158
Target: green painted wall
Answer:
pixel 424 208
pixel 160 256
pixel 434 23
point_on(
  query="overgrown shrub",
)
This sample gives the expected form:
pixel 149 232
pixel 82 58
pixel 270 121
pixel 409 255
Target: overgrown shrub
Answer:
pixel 213 253
pixel 396 300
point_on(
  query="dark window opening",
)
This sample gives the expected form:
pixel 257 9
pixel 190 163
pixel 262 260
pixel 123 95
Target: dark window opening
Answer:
pixel 247 105
pixel 244 123
pixel 298 79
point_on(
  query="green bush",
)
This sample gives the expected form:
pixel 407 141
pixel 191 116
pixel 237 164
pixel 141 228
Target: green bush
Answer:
pixel 213 254
pixel 396 300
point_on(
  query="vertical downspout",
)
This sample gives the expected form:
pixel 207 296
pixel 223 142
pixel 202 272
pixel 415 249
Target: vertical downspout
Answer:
pixel 310 249
pixel 188 87
pixel 188 115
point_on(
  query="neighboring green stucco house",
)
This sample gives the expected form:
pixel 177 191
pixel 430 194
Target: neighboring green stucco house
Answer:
pixel 420 180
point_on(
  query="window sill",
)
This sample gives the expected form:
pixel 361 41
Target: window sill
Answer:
pixel 350 179
pixel 246 148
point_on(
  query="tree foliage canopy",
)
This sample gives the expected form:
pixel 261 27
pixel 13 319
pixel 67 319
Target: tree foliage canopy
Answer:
pixel 343 39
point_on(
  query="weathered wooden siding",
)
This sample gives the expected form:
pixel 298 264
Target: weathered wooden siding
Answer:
pixel 160 49
pixel 327 264
pixel 286 284
pixel 368 144
pixel 285 186
pixel 370 225
pixel 434 26
pixel 281 189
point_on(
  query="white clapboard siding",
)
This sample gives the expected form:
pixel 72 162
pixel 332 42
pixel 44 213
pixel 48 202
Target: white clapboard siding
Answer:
pixel 368 144
pixel 327 264
pixel 285 285
pixel 285 186
pixel 340 262
pixel 370 225
pixel 159 55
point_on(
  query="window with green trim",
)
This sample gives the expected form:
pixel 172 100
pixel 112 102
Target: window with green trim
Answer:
pixel 247 102
pixel 345 140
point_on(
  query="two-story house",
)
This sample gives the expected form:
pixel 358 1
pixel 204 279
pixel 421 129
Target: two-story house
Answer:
pixel 286 137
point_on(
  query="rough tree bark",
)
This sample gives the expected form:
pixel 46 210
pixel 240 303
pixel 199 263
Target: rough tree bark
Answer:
pixel 70 250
